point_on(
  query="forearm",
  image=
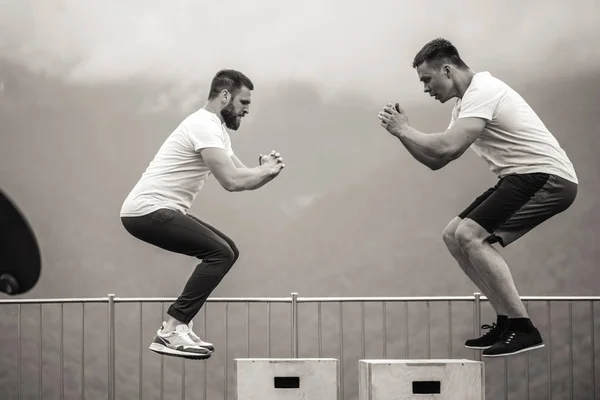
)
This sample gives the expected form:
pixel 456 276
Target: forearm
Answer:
pixel 262 182
pixel 251 178
pixel 429 149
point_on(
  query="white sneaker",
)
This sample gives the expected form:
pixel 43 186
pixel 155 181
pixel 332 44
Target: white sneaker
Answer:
pixel 178 343
pixel 198 341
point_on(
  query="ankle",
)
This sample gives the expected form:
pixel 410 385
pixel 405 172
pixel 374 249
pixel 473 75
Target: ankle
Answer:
pixel 502 320
pixel 171 324
pixel 522 324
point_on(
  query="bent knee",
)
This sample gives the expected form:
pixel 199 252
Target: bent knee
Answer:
pixel 469 232
pixel 223 254
pixel 228 255
pixel 236 252
pixel 449 238
pixel 449 234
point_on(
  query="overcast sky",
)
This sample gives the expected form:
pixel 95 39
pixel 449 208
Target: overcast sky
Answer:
pixel 332 42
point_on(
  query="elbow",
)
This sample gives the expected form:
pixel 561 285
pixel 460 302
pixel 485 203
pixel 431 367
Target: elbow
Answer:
pixel 444 158
pixel 231 185
pixel 435 166
pixel 438 163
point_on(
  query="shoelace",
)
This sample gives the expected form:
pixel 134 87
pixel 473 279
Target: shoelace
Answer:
pixel 490 328
pixel 195 337
pixel 192 334
pixel 185 337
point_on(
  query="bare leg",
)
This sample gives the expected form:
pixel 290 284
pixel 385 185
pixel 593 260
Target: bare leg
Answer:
pixel 464 263
pixel 491 268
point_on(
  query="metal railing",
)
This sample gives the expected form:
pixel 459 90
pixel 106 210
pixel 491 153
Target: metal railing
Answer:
pixel 297 324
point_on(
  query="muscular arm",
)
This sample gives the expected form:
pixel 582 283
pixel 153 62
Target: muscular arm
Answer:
pixel 237 162
pixel 233 178
pixel 436 150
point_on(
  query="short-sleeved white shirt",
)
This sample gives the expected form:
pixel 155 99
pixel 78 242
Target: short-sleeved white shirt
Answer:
pixel 515 140
pixel 177 173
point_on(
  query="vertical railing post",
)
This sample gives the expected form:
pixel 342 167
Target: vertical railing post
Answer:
pixel 593 346
pixel 294 325
pixel 111 347
pixel 477 320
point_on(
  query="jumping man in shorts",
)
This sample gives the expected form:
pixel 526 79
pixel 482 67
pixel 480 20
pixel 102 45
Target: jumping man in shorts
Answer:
pixel 536 181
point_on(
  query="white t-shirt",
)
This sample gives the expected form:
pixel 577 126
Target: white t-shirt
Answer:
pixel 177 173
pixel 515 140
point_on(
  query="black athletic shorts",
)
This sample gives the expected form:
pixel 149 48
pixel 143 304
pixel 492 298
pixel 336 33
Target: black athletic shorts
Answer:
pixel 518 203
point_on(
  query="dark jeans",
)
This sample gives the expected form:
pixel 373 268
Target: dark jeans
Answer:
pixel 186 234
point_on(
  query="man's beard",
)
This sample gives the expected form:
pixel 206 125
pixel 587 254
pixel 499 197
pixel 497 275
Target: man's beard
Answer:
pixel 230 117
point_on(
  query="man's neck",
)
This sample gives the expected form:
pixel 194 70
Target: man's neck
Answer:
pixel 463 81
pixel 211 107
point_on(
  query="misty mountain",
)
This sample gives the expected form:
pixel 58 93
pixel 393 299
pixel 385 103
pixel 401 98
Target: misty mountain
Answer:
pixel 350 197
pixel 352 214
pixel 370 236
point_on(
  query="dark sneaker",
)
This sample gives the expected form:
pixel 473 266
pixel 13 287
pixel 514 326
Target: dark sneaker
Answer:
pixel 515 342
pixel 178 344
pixel 493 335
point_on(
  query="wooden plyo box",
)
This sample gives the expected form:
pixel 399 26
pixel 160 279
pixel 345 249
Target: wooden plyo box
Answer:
pixel 286 378
pixel 458 379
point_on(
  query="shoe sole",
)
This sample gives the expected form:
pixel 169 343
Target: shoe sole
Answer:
pixel 165 351
pixel 208 349
pixel 539 346
pixel 477 348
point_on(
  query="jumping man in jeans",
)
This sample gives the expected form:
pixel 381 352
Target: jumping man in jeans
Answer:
pixel 156 210
pixel 536 181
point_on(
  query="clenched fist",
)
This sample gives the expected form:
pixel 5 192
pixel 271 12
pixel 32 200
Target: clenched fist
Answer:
pixel 393 119
pixel 273 159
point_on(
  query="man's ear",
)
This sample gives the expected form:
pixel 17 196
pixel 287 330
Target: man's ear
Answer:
pixel 225 95
pixel 447 70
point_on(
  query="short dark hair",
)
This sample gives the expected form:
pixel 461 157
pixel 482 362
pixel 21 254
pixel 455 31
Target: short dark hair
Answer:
pixel 438 51
pixel 231 80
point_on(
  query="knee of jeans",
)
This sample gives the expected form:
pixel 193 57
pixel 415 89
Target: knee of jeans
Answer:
pixel 236 252
pixel 229 255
